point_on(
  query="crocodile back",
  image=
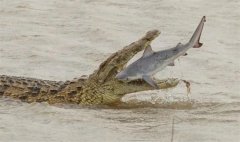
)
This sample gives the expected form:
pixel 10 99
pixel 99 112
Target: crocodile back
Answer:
pixel 29 89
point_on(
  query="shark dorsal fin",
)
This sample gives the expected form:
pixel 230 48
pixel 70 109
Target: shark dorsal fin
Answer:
pixel 148 51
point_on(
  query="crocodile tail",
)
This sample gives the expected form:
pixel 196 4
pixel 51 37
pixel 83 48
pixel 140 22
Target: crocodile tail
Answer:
pixel 28 89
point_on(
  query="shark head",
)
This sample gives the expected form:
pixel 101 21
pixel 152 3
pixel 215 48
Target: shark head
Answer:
pixel 127 75
pixel 122 75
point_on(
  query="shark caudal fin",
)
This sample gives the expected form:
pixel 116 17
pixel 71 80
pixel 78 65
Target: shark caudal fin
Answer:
pixel 195 39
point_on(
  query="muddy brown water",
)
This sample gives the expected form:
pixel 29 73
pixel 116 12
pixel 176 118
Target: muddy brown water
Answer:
pixel 63 39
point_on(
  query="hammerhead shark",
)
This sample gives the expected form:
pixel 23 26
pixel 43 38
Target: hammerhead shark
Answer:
pixel 152 62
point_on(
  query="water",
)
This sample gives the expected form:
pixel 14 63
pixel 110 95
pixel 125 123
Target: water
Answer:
pixel 60 40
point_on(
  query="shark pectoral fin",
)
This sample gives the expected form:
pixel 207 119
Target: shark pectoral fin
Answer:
pixel 150 81
pixel 171 64
pixel 148 51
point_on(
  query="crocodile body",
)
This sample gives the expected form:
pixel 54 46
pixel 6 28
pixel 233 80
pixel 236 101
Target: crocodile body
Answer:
pixel 29 89
pixel 100 88
pixel 74 92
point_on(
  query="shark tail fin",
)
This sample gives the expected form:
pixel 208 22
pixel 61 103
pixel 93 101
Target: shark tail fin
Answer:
pixel 198 45
pixel 197 34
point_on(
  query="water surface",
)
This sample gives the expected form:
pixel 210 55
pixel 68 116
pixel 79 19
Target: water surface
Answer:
pixel 60 40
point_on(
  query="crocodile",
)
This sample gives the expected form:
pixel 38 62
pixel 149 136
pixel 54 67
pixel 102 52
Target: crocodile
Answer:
pixel 99 88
